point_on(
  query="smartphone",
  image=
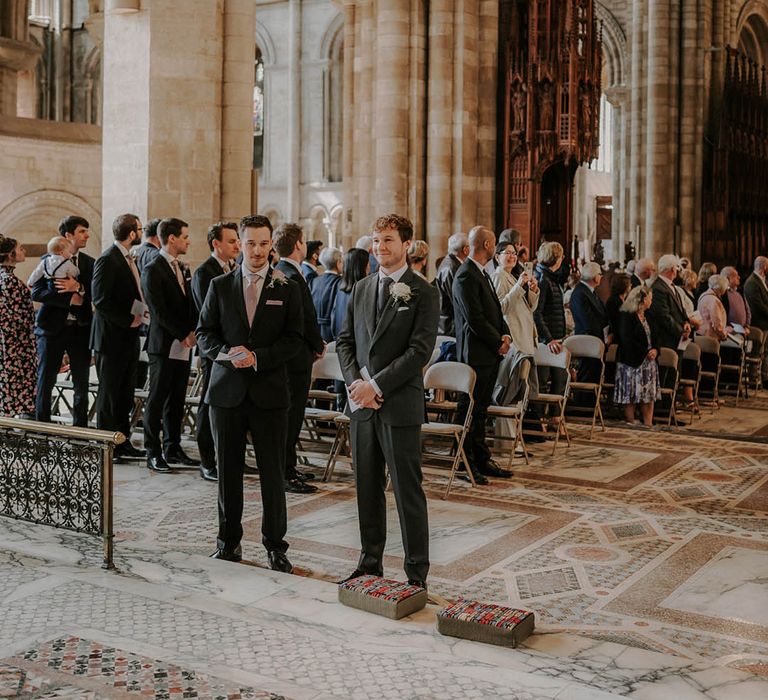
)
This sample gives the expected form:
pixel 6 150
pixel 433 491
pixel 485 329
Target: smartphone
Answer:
pixel 528 267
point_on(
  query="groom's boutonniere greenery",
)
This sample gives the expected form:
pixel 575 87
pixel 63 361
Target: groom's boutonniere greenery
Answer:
pixel 277 278
pixel 400 292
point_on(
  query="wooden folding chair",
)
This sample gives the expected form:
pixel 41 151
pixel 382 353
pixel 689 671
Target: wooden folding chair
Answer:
pixel 546 358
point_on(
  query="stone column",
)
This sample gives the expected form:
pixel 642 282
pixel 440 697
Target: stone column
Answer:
pixel 488 57
pixel 350 38
pixel 293 150
pixel 636 184
pixel 17 53
pixel 237 109
pixel 162 131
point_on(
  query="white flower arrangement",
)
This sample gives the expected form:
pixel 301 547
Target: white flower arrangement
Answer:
pixel 277 278
pixel 400 291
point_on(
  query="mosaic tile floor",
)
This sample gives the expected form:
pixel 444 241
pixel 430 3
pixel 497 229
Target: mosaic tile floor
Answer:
pixel 643 554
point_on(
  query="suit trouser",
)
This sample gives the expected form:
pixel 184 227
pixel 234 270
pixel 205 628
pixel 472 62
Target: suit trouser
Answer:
pixel 268 428
pixel 117 381
pixel 374 445
pixel 73 340
pixel 478 452
pixel 165 403
pixel 204 435
pixel 298 384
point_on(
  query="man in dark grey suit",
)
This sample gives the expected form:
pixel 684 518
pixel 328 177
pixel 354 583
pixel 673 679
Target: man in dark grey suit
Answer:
pixel 250 327
pixel 387 339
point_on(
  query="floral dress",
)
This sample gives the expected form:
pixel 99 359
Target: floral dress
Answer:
pixel 638 384
pixel 18 354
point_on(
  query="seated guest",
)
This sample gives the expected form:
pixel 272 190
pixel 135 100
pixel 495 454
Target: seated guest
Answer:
pixel 621 284
pixel 18 357
pixel 705 272
pixel 590 317
pixel 736 307
pixel 688 282
pixel 311 261
pixel 356 266
pixel 756 294
pixel 325 288
pixel 418 252
pixel 637 371
pixel 366 243
pixel 458 250
pixel 714 320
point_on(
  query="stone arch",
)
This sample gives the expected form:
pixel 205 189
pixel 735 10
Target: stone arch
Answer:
pixel 273 214
pixel 614 46
pixel 753 31
pixel 265 44
pixel 34 217
pixel 333 35
pixel 332 55
pixel 92 76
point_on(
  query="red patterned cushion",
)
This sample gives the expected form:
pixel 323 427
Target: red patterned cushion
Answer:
pixel 485 622
pixel 485 614
pixel 383 588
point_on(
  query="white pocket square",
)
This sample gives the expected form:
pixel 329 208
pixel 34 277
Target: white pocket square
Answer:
pixel 274 302
pixel 403 308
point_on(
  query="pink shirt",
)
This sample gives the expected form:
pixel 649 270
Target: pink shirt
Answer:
pixel 713 319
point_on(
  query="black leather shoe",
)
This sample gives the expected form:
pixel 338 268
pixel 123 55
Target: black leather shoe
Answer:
pixel 298 486
pixel 417 582
pixel 480 480
pixel 235 554
pixel 209 473
pixel 178 456
pixel 248 469
pixel 158 464
pixel 303 476
pixel 128 451
pixel 279 562
pixel 357 573
pixel 493 469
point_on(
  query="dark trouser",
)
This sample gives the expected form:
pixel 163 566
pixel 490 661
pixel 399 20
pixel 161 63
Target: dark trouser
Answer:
pixel 299 383
pixel 268 428
pixel 117 381
pixel 50 350
pixel 374 444
pixel 203 423
pixel 142 368
pixel 165 404
pixel 478 453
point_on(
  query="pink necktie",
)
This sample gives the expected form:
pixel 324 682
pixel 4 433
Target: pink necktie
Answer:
pixel 252 297
pixel 179 276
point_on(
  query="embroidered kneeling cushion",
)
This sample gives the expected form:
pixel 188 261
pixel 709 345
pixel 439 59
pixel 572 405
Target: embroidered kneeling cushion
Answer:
pixel 382 596
pixel 485 622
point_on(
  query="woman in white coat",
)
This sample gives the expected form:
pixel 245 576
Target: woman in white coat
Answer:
pixel 518 298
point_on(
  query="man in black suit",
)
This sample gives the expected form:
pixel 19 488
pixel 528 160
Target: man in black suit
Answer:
pixel 143 255
pixel 325 289
pixel 645 268
pixel 458 250
pixel 250 327
pixel 482 339
pixel 666 316
pixel 119 306
pixel 310 262
pixel 756 294
pixel 387 339
pixel 63 325
pixel 590 317
pixel 224 245
pixel 173 317
pixel 288 241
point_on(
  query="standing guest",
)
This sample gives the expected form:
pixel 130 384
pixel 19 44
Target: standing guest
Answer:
pixel 645 269
pixel 756 294
pixel 18 359
pixel 688 282
pixel 714 320
pixel 118 302
pixel 518 298
pixel 366 243
pixel 637 370
pixel 736 307
pixel 173 316
pixel 458 250
pixel 621 284
pixel 288 241
pixel 63 325
pixel 418 255
pixel 356 266
pixel 224 244
pixel 482 339
pixel 325 289
pixel 250 326
pixel 590 318
pixel 387 339
pixel 705 272
pixel 511 235
pixel 666 315
pixel 550 313
pixel 310 262
pixel 150 247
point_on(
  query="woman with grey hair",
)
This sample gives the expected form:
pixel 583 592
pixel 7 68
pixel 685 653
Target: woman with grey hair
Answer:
pixel 637 371
pixel 714 320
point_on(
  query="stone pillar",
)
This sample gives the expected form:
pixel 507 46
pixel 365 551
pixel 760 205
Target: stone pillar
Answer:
pixel 293 150
pixel 636 184
pixel 350 38
pixel 488 57
pixel 237 109
pixel 17 53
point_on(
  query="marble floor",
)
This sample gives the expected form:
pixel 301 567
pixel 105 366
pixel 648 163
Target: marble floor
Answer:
pixel 644 555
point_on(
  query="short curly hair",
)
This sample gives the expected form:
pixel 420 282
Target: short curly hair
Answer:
pixel 254 221
pixel 394 222
pixel 550 252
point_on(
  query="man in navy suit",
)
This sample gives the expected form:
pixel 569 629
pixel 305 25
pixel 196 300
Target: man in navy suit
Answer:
pixel 224 244
pixel 325 289
pixel 482 339
pixel 311 261
pixel 590 317
pixel 117 300
pixel 250 328
pixel 63 325
pixel 173 317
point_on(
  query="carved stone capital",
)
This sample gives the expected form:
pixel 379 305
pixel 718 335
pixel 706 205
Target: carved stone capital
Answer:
pixel 617 95
pixel 18 55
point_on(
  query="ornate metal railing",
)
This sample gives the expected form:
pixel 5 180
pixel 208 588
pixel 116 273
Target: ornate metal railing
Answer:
pixel 58 475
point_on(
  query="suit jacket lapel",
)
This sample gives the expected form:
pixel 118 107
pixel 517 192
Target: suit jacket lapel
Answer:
pixel 390 309
pixel 265 289
pixel 369 302
pixel 239 300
